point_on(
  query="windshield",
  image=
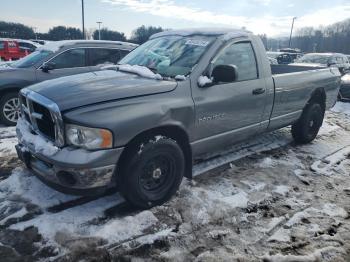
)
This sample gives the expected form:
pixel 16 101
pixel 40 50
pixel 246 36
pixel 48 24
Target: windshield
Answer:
pixel 314 59
pixel 169 56
pixel 31 59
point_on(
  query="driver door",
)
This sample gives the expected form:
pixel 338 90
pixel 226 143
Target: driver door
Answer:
pixel 229 112
pixel 70 62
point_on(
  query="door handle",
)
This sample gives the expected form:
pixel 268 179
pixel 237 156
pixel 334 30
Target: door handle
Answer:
pixel 258 91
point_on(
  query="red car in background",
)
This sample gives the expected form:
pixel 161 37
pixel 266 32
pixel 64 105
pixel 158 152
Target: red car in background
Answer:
pixel 10 50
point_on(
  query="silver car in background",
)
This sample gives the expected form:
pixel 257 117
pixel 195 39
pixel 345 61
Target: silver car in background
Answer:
pixel 54 60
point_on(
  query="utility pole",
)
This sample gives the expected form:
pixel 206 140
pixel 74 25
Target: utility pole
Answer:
pixel 35 32
pixel 83 18
pixel 291 33
pixel 99 30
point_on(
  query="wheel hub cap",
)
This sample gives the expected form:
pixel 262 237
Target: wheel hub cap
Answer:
pixel 157 173
pixel 11 110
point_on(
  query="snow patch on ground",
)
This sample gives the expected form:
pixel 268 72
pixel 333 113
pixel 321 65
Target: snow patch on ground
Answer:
pixel 126 227
pixel 333 210
pixel 341 107
pixel 275 221
pixel 22 183
pixel 7 146
pixel 7 132
pixel 332 164
pixel 18 214
pixel 73 221
pixel 324 254
pixel 281 189
pixel 327 128
pixel 281 235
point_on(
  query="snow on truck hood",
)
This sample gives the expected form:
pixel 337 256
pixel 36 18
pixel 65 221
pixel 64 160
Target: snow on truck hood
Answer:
pixel 96 87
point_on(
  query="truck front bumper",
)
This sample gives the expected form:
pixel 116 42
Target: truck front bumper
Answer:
pixel 73 171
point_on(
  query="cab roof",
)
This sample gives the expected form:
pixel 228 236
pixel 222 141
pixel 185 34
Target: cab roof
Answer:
pixel 228 33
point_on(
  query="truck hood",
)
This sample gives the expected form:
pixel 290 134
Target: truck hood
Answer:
pixel 96 87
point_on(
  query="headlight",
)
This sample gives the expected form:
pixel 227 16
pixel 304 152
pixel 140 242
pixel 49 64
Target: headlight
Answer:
pixel 89 138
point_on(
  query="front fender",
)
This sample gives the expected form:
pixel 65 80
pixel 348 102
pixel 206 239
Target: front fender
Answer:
pixel 130 117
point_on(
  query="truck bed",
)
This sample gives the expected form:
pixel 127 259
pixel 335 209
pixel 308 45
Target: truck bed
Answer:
pixel 294 85
pixel 285 69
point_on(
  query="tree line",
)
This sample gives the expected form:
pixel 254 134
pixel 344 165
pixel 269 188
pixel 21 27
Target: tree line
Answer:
pixel 332 38
pixel 20 31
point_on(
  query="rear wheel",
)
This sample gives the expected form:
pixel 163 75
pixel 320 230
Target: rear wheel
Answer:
pixel 9 109
pixel 306 129
pixel 152 172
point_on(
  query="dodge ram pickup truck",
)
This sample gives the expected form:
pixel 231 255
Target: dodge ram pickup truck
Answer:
pixel 139 126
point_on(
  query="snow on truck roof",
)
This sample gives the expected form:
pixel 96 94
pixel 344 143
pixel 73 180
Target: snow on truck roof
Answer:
pixel 226 32
pixel 55 46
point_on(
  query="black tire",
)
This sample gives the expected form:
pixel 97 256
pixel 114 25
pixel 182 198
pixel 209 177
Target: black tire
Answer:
pixel 307 127
pixel 152 172
pixel 5 102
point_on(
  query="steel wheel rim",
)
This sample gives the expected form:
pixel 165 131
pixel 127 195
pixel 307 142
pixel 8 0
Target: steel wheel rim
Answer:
pixel 314 123
pixel 11 110
pixel 165 165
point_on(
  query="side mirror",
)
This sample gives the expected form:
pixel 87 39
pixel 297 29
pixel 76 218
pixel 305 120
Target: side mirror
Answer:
pixel 224 74
pixel 46 67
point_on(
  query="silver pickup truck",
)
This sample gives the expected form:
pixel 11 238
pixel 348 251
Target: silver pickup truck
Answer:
pixel 140 125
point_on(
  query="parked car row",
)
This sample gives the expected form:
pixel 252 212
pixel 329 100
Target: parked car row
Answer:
pixel 280 57
pixel 326 60
pixel 53 60
pixel 14 49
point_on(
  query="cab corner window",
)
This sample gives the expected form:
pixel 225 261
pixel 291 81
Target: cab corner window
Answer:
pixel 242 56
pixel 70 59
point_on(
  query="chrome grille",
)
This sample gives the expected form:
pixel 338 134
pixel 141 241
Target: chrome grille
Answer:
pixel 43 115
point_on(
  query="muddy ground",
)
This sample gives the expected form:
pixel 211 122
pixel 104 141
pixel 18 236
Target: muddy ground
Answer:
pixel 266 200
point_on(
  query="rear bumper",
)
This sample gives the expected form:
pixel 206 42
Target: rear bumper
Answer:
pixel 74 171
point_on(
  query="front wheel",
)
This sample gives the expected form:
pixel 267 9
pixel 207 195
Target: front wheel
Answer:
pixel 152 172
pixel 307 127
pixel 9 109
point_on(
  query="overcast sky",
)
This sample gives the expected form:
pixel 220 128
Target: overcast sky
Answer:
pixel 272 17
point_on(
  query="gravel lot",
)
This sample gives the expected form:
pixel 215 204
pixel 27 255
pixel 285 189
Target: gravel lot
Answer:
pixel 264 200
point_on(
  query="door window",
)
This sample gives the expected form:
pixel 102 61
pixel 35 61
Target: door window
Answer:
pixel 100 56
pixel 242 56
pixel 26 46
pixel 123 53
pixel 70 59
